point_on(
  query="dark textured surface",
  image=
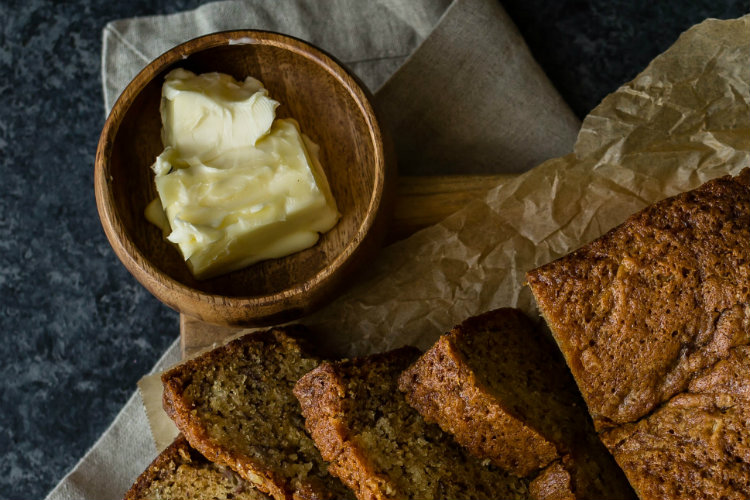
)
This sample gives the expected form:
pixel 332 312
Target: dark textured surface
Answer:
pixel 77 330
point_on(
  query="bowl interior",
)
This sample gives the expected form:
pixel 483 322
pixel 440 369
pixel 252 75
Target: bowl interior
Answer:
pixel 327 111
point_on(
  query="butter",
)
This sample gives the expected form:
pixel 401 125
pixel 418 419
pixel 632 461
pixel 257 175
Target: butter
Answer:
pixel 235 184
pixel 205 116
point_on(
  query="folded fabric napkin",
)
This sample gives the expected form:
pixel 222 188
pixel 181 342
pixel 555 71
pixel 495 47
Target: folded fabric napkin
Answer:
pixel 458 88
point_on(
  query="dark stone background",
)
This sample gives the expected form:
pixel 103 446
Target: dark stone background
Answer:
pixel 77 331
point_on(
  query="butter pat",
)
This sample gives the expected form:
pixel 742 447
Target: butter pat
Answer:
pixel 236 186
pixel 205 116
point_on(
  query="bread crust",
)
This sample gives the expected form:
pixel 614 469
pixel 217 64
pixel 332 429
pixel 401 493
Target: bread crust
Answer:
pixel 639 311
pixel 445 388
pixel 698 444
pixel 654 321
pixel 553 483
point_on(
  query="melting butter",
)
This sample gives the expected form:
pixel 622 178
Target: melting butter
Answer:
pixel 235 184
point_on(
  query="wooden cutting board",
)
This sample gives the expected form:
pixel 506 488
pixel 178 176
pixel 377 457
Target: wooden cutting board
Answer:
pixel 421 202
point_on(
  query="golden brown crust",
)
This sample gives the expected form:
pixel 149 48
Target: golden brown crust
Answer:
pixel 553 483
pixel 180 471
pixel 445 388
pixel 654 322
pixel 665 295
pixel 379 446
pixel 698 444
pixel 196 419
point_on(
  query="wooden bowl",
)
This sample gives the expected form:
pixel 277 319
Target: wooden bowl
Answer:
pixel 332 107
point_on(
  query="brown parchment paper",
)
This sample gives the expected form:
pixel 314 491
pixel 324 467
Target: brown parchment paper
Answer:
pixel 684 120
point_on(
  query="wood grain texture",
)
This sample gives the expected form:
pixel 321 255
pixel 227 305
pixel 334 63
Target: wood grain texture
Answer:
pixel 331 107
pixel 421 202
pixel 424 201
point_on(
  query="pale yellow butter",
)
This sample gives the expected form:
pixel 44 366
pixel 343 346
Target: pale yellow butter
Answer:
pixel 236 185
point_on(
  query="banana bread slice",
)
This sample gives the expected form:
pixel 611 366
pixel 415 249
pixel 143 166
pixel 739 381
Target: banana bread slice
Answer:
pixel 499 385
pixel 235 405
pixel 180 472
pixel 698 444
pixel 654 301
pixel 485 383
pixel 380 446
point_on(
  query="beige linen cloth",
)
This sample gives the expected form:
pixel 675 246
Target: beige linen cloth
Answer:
pixel 458 87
